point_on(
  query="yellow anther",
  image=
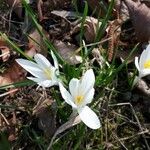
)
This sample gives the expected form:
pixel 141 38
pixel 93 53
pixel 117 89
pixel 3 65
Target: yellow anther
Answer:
pixel 48 73
pixel 147 64
pixel 78 100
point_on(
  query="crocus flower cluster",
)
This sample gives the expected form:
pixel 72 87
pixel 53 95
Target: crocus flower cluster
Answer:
pixel 81 92
pixel 143 63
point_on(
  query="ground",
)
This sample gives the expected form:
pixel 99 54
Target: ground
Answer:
pixel 101 35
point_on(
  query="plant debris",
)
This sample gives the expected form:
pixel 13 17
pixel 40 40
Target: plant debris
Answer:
pixel 74 36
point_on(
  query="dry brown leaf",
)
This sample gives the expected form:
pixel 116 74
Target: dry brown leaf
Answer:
pixel 68 52
pixel 90 29
pixel 140 16
pixel 64 14
pixel 143 87
pixel 95 7
pixel 46 6
pixel 14 74
pixel 37 44
pixel 90 26
pixel 46 112
pixel 124 54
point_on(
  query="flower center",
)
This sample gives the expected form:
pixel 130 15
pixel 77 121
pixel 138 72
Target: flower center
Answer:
pixel 78 100
pixel 48 73
pixel 147 64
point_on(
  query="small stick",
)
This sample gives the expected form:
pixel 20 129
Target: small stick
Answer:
pixel 4 119
pixel 9 92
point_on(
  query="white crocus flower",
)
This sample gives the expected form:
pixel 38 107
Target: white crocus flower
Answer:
pixel 44 73
pixel 80 94
pixel 143 64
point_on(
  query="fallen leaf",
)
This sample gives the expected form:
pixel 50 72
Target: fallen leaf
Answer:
pixel 90 29
pixel 124 54
pixel 14 74
pixel 64 14
pixel 46 113
pixel 91 25
pixel 140 16
pixel 143 87
pixel 96 7
pixel 46 6
pixel 68 52
pixel 36 41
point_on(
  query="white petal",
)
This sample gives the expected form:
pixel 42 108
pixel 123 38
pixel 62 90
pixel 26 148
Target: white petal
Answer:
pixel 48 83
pixel 147 51
pixel 55 60
pixel 54 73
pixel 89 117
pixel 42 82
pixel 145 56
pixel 42 61
pixel 88 97
pixel 87 81
pixel 74 87
pixel 37 80
pixel 142 59
pixel 31 67
pixel 137 63
pixel 145 72
pixel 66 95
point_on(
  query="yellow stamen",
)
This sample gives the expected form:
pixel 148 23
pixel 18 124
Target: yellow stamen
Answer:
pixel 48 73
pixel 147 64
pixel 79 100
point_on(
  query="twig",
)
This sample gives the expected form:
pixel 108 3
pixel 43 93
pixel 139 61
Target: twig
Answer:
pixel 133 111
pixel 9 92
pixel 4 118
pixel 97 43
pixel 4 54
pixel 11 21
pixel 120 141
pixel 140 133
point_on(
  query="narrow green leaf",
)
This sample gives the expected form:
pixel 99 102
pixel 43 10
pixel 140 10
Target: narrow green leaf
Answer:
pixel 16 48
